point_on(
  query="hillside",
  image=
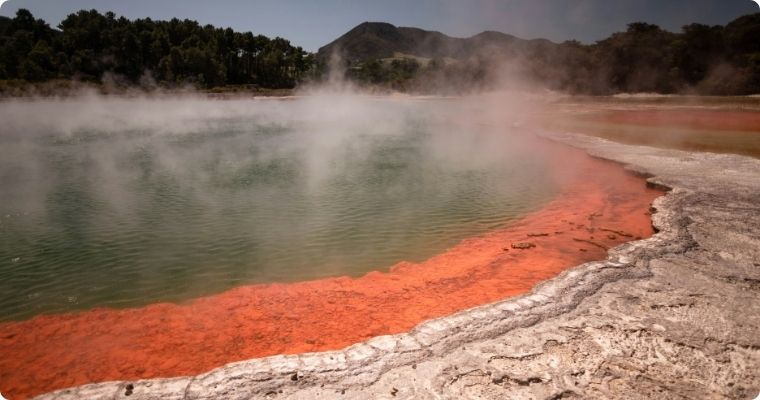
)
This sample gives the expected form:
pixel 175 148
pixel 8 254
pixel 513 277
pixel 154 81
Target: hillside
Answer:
pixel 380 40
pixel 701 59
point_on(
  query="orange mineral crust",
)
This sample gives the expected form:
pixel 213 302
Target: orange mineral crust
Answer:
pixel 599 206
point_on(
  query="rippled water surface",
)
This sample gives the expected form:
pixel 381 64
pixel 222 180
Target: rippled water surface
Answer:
pixel 124 202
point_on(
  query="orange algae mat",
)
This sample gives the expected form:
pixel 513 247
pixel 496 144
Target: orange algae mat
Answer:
pixel 599 206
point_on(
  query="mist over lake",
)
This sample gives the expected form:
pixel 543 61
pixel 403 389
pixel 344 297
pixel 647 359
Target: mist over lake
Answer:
pixel 130 201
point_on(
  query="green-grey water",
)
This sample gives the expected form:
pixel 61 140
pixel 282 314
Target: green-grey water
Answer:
pixel 125 202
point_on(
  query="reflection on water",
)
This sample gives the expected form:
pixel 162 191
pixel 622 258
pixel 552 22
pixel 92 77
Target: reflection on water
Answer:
pixel 144 201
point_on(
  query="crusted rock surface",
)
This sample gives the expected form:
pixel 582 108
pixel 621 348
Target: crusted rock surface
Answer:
pixel 673 316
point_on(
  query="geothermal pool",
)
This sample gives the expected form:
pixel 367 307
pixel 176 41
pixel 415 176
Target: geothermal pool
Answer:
pixel 127 202
pixel 145 238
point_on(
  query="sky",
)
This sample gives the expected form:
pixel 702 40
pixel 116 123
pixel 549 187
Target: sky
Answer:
pixel 314 23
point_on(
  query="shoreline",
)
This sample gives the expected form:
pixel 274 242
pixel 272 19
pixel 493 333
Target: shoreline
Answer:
pixel 74 89
pixel 263 320
pixel 674 315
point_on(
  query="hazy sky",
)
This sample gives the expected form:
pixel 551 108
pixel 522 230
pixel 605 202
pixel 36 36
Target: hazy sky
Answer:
pixel 313 23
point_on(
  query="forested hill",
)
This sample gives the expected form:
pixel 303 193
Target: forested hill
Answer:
pixel 700 59
pixel 88 45
pixel 379 40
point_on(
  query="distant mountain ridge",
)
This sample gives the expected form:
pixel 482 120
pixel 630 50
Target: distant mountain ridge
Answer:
pixel 378 40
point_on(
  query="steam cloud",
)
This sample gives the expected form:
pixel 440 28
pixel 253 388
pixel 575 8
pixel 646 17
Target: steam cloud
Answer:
pixel 124 160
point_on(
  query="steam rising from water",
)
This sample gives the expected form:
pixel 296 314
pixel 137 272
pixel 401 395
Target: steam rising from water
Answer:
pixel 126 201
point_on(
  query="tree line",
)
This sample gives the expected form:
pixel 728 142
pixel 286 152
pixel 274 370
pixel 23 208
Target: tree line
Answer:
pixel 88 45
pixel 701 59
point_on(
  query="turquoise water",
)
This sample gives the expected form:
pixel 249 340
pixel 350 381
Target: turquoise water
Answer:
pixel 125 202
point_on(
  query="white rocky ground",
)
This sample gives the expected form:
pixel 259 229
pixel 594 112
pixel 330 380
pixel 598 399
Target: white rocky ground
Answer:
pixel 673 316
